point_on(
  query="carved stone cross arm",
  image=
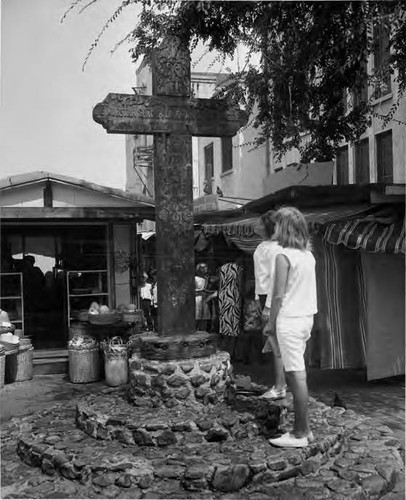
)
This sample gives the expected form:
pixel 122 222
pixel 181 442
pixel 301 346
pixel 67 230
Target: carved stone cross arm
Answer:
pixel 135 114
pixel 172 117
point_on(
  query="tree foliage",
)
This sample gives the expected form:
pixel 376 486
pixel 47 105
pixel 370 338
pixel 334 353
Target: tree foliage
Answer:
pixel 313 63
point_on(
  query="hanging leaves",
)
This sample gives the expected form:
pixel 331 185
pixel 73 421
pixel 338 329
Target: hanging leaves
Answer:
pixel 313 61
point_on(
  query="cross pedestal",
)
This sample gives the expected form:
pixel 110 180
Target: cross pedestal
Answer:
pixel 173 117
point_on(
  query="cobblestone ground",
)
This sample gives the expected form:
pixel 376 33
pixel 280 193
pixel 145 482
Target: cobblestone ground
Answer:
pixel 354 456
pixel 381 399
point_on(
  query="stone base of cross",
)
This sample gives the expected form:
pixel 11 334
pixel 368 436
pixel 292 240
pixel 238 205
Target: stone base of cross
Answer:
pixel 172 116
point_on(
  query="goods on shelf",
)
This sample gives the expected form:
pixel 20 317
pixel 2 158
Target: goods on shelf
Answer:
pixel 102 315
pixel 86 287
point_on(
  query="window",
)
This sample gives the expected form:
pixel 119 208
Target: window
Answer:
pixel 208 168
pixel 362 162
pixel 361 94
pixel 226 154
pixel 384 157
pixel 381 60
pixel 342 166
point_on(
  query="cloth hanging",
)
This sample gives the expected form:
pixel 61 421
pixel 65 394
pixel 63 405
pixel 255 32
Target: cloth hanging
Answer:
pixel 230 299
pixel 339 335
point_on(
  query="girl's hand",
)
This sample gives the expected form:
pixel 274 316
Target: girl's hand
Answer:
pixel 265 315
pixel 268 330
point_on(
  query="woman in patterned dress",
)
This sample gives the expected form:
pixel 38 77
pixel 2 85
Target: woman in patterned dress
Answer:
pixel 230 302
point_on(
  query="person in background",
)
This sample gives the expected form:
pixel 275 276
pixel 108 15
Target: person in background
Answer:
pixel 154 298
pixel 201 296
pixel 264 271
pixel 146 300
pixel 212 301
pixel 34 283
pixel 292 307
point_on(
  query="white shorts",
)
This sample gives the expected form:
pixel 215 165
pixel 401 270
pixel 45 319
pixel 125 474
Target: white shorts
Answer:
pixel 293 333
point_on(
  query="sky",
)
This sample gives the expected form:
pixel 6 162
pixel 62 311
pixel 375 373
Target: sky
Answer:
pixel 46 99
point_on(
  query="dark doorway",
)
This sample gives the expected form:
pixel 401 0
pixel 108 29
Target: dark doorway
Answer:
pixel 41 255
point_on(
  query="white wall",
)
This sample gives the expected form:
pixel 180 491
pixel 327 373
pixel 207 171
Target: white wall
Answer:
pixel 63 196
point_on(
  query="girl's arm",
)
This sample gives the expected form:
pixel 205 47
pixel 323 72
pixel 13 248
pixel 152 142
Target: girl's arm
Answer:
pixel 281 278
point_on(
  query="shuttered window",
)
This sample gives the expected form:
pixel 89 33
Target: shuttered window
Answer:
pixel 384 157
pixel 381 60
pixel 361 94
pixel 226 154
pixel 342 166
pixel 362 162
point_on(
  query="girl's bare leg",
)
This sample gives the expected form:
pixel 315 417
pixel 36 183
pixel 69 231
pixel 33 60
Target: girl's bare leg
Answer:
pixel 297 383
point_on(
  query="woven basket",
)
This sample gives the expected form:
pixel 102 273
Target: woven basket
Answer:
pixel 25 364
pixel 104 319
pixel 2 367
pixel 84 365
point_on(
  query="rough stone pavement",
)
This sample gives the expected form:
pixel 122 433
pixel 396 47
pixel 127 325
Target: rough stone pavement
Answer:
pixel 385 403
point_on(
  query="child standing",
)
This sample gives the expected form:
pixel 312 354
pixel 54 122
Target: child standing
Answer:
pixel 294 303
pixel 264 270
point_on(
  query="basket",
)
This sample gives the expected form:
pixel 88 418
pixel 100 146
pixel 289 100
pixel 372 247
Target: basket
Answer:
pixel 2 366
pixel 25 364
pixel 84 365
pixel 115 361
pixel 104 319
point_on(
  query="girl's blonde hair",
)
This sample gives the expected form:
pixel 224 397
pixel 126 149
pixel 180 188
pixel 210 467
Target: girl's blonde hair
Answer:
pixel 291 229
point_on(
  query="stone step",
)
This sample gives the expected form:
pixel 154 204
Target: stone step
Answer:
pixel 110 416
pixel 181 453
pixel 50 361
pixel 50 366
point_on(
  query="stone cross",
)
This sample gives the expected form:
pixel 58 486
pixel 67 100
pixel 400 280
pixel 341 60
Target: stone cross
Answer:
pixel 172 116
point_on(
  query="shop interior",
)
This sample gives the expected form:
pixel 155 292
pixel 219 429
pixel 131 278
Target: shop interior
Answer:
pixel 47 273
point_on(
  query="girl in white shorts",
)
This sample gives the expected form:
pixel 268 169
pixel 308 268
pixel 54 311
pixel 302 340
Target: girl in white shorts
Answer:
pixel 294 302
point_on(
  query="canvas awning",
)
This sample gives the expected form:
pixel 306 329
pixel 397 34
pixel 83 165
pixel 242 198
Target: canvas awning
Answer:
pixel 244 226
pixel 368 234
pixel 369 227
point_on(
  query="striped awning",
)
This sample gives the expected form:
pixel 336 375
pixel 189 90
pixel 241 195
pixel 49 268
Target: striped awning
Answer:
pixel 368 234
pixel 357 227
pixel 244 226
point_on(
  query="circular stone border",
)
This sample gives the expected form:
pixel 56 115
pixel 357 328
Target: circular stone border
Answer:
pixel 223 466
